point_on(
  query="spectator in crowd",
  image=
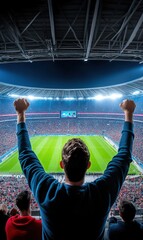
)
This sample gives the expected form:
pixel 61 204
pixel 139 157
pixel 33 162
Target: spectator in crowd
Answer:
pixel 23 226
pixel 12 185
pixel 127 228
pixel 74 209
pixel 3 219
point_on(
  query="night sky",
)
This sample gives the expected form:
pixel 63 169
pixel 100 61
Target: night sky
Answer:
pixel 70 74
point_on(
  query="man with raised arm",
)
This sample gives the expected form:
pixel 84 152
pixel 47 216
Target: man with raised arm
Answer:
pixel 74 209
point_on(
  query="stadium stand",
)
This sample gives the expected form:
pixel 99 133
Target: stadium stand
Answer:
pixel 92 118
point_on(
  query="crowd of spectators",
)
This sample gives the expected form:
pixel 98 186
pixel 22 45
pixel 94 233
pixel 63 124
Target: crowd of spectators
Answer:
pixel 80 126
pixel 10 186
pixel 93 124
pixel 131 190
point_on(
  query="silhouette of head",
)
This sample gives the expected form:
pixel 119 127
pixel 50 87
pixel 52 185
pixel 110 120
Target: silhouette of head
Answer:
pixel 127 210
pixel 23 200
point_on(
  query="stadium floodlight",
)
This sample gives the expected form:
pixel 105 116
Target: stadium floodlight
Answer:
pixel 136 92
pixel 49 98
pixel 99 97
pixel 112 96
pixel 31 97
pixel 80 98
pixel 69 98
pixel 13 95
pixel 34 97
pixel 90 98
pixel 115 96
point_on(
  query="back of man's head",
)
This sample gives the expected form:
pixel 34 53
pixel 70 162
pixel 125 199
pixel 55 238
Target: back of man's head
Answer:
pixel 127 210
pixel 23 200
pixel 75 156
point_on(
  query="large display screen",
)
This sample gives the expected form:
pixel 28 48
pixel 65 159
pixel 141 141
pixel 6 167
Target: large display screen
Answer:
pixel 68 114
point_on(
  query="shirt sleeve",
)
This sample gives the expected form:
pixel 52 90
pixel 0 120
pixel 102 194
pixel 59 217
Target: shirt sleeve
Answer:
pixel 117 168
pixel 30 164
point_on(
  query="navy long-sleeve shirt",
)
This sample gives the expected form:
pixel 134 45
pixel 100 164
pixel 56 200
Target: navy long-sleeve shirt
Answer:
pixel 75 212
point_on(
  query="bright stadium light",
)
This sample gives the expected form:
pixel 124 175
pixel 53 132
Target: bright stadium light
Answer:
pixel 31 97
pixel 112 96
pixel 80 98
pixel 49 98
pixel 136 92
pixel 115 96
pixel 69 98
pixel 13 95
pixel 91 98
pixel 99 97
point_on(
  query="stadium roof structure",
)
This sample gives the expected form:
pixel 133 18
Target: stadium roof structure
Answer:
pixel 51 30
pixel 127 89
pixel 62 30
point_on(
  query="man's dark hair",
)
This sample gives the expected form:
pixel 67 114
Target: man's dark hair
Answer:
pixel 75 156
pixel 127 210
pixel 23 200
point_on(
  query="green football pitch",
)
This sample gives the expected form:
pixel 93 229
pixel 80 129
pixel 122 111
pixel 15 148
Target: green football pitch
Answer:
pixel 48 149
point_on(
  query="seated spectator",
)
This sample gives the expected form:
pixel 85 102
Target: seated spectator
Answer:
pixel 23 226
pixel 127 228
pixel 3 219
